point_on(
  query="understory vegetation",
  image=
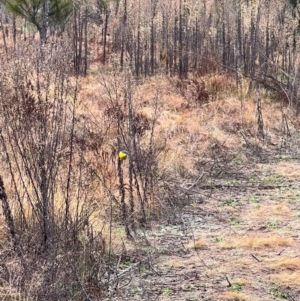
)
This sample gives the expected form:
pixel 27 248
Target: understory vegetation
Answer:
pixel 199 93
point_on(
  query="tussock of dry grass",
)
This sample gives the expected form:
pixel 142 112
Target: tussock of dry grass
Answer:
pixel 240 281
pixel 289 169
pixel 255 242
pixel 286 264
pixel 277 210
pixel 285 278
pixel 234 296
pixel 217 83
pixel 199 244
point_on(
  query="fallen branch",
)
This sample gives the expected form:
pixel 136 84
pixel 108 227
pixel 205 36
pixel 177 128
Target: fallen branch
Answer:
pixel 117 277
pixel 255 258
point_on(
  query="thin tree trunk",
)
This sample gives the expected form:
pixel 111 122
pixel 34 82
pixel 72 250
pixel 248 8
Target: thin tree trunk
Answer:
pixel 239 47
pixel 14 33
pixel 3 35
pixel 180 40
pixel 44 27
pixel 85 66
pixel 105 34
pixel 124 31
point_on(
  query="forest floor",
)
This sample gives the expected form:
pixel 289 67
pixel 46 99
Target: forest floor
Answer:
pixel 238 241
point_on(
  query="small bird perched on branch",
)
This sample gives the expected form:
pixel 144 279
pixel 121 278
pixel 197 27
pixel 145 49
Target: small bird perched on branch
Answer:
pixel 123 155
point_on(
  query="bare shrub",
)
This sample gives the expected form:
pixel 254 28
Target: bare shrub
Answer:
pixel 128 129
pixel 49 205
pixel 193 90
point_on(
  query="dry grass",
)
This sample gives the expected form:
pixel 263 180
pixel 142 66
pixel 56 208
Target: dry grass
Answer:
pixel 185 134
pixel 200 244
pixel 274 210
pixel 240 281
pixel 286 264
pixel 286 278
pixel 190 132
pixel 255 242
pixel 175 263
pixel 289 169
pixel 234 296
pixel 221 85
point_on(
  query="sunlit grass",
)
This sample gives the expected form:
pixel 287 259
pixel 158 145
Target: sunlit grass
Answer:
pixel 285 264
pixel 286 278
pixel 234 296
pixel 255 242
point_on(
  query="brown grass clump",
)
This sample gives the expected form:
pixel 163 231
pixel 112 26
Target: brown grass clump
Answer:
pixel 286 278
pixel 200 244
pixel 289 169
pixel 234 296
pixel 286 264
pixel 221 84
pixel 255 242
pixel 278 210
pixel 240 281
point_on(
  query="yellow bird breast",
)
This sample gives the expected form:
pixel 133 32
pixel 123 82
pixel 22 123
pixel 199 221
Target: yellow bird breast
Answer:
pixel 122 155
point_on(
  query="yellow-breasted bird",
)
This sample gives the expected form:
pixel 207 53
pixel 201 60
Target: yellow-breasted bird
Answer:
pixel 123 155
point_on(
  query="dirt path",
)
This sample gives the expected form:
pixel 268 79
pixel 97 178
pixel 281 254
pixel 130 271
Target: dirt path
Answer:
pixel 240 243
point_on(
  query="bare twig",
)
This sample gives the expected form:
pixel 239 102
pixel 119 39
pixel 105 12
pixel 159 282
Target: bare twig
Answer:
pixel 255 258
pixel 117 277
pixel 228 281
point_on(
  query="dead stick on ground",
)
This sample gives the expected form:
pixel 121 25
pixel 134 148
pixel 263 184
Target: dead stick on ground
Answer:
pixel 123 273
pixel 255 258
pixel 229 283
